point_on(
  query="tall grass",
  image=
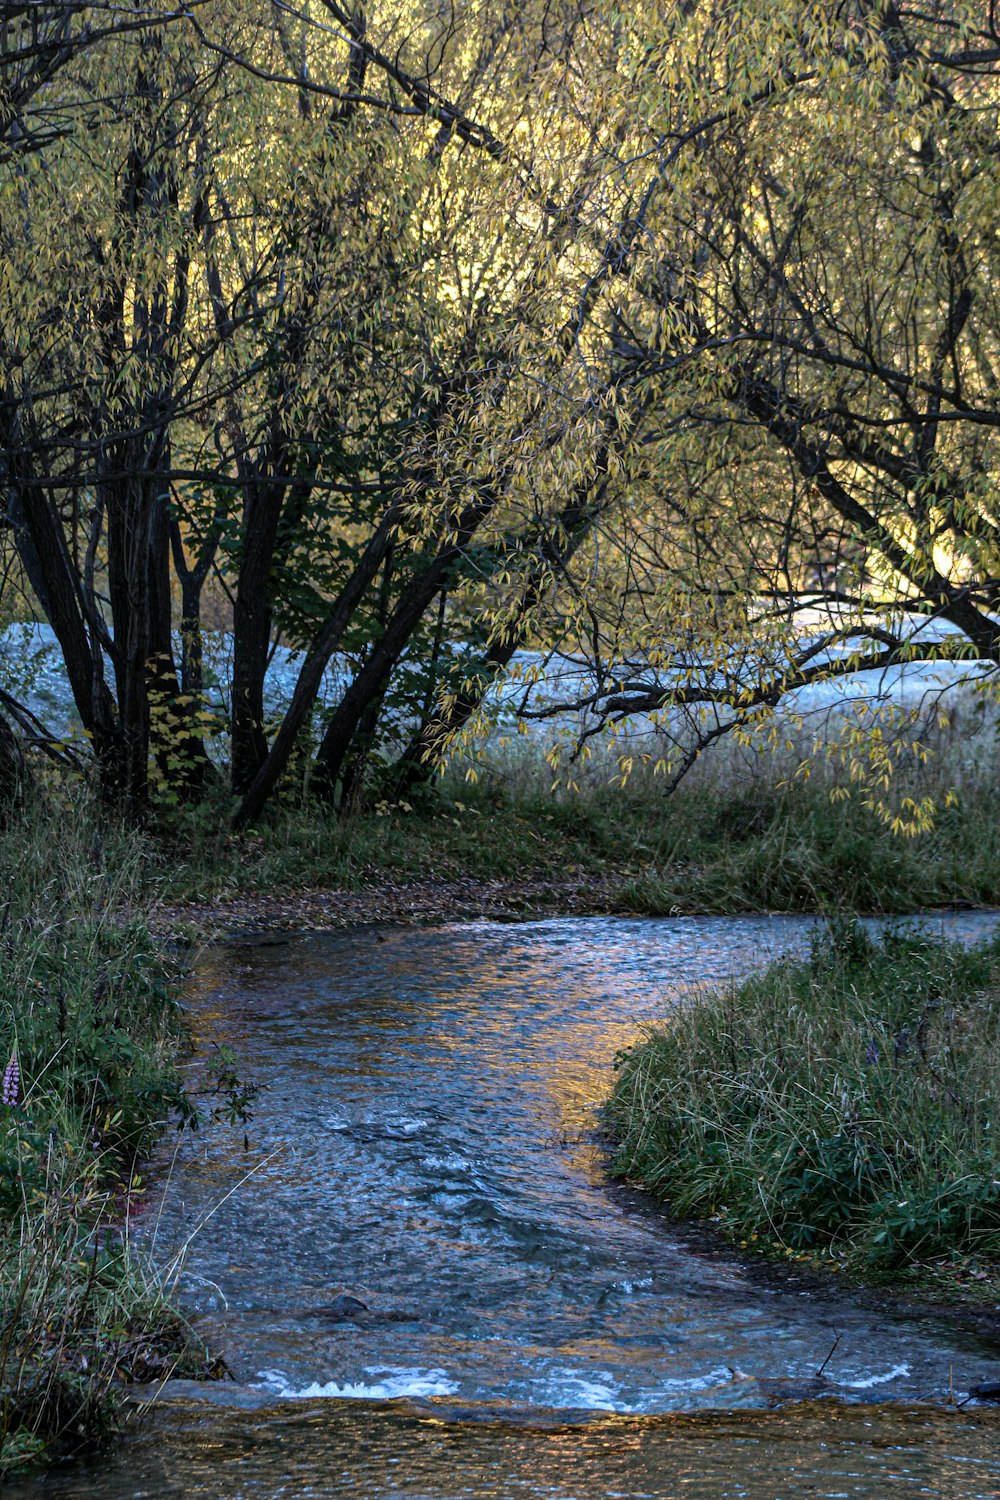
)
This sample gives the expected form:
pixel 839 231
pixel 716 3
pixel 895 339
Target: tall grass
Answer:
pixel 739 835
pixel 90 1036
pixel 846 1103
pixel 792 848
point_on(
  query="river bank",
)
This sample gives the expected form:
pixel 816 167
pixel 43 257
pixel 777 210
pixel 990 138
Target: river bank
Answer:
pixel 836 1110
pixel 509 849
pixel 91 1039
pixel 482 853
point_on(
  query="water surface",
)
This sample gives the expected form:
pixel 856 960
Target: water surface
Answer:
pixel 427 1143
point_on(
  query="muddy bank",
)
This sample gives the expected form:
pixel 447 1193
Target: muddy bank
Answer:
pixel 428 901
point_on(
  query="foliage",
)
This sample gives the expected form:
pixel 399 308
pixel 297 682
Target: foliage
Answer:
pixel 92 1032
pixel 842 1104
pixel 664 339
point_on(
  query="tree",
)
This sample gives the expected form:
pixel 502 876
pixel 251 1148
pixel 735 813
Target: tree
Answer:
pixel 627 336
pixel 13 773
pixel 825 378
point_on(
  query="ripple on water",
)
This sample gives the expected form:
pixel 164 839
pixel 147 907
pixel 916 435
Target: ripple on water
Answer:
pixel 435 1449
pixel 426 1143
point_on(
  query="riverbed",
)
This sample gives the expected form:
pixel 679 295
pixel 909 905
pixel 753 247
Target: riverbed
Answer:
pixel 426 1285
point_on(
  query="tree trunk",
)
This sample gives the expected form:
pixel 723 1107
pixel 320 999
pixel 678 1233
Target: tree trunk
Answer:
pixel 373 677
pixel 353 780
pixel 41 545
pixel 13 771
pixel 311 672
pixel 177 742
pixel 252 630
pixel 415 765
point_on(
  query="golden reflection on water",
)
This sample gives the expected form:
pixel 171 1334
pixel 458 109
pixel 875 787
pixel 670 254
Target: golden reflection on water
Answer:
pixel 388 1451
pixel 504 1045
pixel 571 1077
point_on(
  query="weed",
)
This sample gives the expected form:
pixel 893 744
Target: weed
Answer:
pixel 841 1104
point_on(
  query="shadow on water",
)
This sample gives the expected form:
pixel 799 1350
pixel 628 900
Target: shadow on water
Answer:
pixel 428 1282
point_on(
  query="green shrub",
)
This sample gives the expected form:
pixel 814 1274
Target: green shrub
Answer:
pixel 90 1036
pixel 845 1102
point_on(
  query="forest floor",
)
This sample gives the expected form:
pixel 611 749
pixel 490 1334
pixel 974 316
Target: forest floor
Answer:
pixel 415 901
pixel 486 851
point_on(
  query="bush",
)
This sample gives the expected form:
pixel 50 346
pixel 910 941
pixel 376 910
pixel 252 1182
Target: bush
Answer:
pixel 844 1103
pixel 90 1035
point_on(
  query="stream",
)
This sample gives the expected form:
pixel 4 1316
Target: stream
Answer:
pixel 426 1286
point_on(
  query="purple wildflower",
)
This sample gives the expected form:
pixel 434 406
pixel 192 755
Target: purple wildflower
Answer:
pixel 12 1081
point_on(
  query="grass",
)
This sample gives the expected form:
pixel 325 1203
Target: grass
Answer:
pixel 717 845
pixel 843 1107
pixel 793 849
pixel 90 1035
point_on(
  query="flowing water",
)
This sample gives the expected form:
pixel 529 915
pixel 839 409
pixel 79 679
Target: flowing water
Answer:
pixel 427 1144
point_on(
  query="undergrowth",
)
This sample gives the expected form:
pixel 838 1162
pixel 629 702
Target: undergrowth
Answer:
pixel 841 1106
pixel 89 1042
pixel 712 847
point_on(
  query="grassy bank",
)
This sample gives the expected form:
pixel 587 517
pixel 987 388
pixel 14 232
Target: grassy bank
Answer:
pixel 845 1114
pixel 89 1040
pixel 716 846
pixel 842 1108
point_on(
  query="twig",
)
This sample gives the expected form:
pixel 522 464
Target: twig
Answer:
pixel 826 1361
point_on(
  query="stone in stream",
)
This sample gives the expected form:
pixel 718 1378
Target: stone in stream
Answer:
pixel 344 1306
pixel 988 1392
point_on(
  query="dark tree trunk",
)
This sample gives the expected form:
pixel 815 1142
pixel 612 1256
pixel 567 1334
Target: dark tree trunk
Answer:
pixel 364 738
pixel 13 771
pixel 25 547
pixel 192 649
pixel 192 683
pixel 42 548
pixel 129 509
pixel 372 679
pixel 192 582
pixel 311 672
pixel 178 745
pixel 353 780
pixel 252 630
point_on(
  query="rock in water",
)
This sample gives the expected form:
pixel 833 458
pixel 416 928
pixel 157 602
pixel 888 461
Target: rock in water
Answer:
pixel 345 1306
